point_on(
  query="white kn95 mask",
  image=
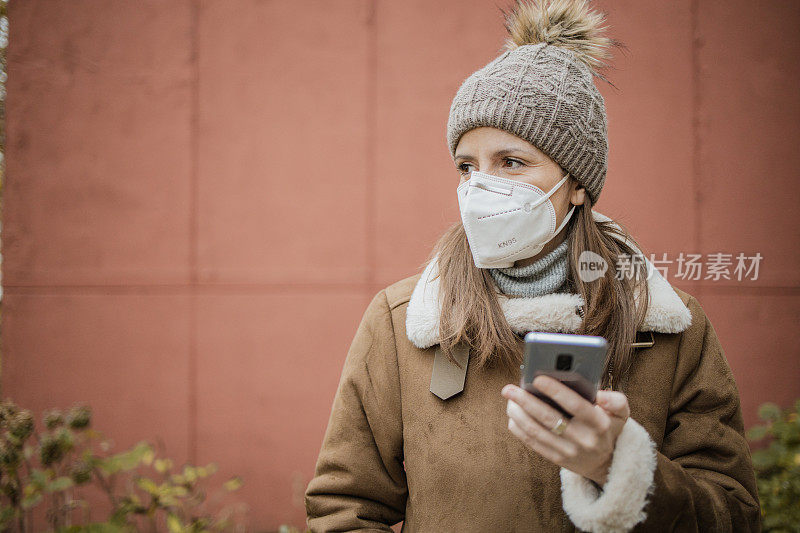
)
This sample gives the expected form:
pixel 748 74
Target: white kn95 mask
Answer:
pixel 506 220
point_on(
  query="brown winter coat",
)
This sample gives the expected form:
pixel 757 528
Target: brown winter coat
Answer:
pixel 393 450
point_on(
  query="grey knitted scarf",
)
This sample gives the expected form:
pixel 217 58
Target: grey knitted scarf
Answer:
pixel 547 275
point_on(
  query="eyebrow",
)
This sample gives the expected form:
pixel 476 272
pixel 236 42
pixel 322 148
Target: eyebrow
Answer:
pixel 499 153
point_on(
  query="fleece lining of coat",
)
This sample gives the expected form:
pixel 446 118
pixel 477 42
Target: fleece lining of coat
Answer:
pixel 620 505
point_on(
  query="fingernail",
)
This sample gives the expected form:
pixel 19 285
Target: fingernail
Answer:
pixel 507 389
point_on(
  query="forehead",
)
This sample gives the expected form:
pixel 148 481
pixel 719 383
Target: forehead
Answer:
pixel 486 138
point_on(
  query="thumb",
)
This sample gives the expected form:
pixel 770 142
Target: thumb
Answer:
pixel 615 402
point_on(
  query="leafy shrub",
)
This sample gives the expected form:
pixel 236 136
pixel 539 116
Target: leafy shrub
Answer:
pixel 777 466
pixel 144 491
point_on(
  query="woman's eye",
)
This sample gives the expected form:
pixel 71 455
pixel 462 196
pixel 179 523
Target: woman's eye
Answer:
pixel 508 160
pixel 463 168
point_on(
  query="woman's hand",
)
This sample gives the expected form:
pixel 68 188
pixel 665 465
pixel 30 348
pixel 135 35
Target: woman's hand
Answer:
pixel 586 445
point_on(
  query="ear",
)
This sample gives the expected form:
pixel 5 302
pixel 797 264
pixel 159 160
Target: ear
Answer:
pixel 577 193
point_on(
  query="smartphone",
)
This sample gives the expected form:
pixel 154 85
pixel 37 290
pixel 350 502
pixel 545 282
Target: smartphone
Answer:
pixel 577 361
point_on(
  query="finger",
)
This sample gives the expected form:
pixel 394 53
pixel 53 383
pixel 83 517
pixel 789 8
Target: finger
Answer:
pixel 544 451
pixel 535 431
pixel 577 431
pixel 616 403
pixel 542 448
pixel 537 409
pixel 567 398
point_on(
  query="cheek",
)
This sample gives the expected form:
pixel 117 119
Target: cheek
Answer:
pixel 563 203
pixel 538 175
pixel 530 176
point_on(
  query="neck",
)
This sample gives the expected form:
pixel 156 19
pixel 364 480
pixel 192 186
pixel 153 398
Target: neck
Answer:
pixel 546 275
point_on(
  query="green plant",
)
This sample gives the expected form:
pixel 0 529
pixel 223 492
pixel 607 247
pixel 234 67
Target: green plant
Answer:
pixel 777 466
pixel 145 494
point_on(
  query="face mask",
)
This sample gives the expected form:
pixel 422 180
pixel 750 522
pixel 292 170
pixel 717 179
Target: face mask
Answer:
pixel 506 220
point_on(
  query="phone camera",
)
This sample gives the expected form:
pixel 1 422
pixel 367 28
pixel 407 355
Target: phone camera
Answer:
pixel 564 362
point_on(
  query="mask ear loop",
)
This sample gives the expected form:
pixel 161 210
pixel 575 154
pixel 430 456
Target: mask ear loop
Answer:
pixel 564 222
pixel 549 194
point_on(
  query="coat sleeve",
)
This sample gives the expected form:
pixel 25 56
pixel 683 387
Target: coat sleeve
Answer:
pixel 701 478
pixel 359 482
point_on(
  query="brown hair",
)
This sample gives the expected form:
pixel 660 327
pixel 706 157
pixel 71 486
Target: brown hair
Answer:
pixel 471 312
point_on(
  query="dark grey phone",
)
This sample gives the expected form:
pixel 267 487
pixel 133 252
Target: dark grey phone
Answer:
pixel 577 361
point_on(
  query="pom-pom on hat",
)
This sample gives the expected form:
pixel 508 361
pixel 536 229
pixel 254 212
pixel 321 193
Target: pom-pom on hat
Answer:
pixel 541 87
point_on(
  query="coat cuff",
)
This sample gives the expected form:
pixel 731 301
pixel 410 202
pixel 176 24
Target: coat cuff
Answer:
pixel 620 504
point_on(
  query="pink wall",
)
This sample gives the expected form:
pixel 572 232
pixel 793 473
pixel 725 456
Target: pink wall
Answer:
pixel 202 197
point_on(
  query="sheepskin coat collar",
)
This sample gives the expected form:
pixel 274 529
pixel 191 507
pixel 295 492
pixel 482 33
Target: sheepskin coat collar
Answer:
pixel 557 312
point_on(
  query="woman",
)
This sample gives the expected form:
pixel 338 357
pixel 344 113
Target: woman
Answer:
pixel 428 425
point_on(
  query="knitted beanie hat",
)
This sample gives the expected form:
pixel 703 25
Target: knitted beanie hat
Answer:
pixel 541 88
